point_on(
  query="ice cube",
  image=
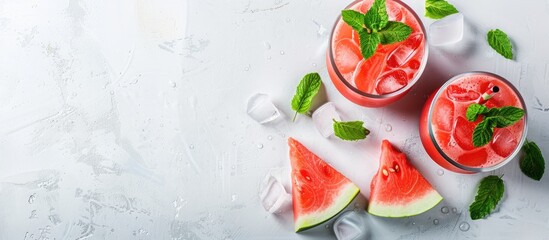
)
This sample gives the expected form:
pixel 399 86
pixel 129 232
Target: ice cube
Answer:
pixel 460 94
pixel 504 142
pixel 351 226
pixel 463 133
pixel 405 51
pixel 261 109
pixel 447 30
pixel 323 119
pixel 274 197
pixel 443 114
pixel 391 81
pixel 347 55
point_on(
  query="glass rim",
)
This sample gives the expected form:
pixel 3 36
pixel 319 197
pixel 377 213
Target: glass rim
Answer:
pixel 455 163
pixel 410 84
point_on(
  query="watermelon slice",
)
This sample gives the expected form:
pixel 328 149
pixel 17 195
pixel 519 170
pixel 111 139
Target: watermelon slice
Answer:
pixel 398 189
pixel 319 192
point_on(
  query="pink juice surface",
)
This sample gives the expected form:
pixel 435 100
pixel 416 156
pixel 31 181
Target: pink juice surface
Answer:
pixel 390 69
pixel 453 132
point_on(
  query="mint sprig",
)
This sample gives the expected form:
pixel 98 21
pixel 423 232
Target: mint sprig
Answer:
pixel 489 193
pixel 493 118
pixel 437 9
pixel 500 42
pixel 374 27
pixel 306 90
pixel 350 131
pixel 532 164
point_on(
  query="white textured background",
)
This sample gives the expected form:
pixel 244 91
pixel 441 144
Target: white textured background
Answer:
pixel 126 119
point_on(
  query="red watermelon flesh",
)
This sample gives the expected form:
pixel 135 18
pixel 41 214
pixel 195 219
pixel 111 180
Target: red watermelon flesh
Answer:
pixel 319 192
pixel 398 189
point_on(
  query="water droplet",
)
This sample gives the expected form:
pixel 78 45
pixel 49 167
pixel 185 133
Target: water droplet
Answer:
pixel 314 64
pixel 288 20
pixel 234 143
pixel 233 197
pixel 270 137
pixel 454 210
pixel 435 222
pixel 260 146
pixel 388 127
pixel 112 92
pixel 464 226
pixel 440 172
pixel 247 68
pixel 268 57
pixel 282 52
pixel 233 166
pixel 33 214
pixel 413 223
pixel 445 210
pixel 191 146
pixel 31 198
pixel 173 84
pixel 327 226
pixel 267 45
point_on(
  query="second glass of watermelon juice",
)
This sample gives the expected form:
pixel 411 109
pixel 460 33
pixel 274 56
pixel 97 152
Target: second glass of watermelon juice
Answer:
pixel 446 134
pixel 390 73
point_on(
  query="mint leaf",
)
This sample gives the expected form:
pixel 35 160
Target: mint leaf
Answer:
pixel 368 43
pixel 484 132
pixel 437 9
pixel 350 131
pixel 474 110
pixel 506 116
pixel 376 18
pixel 532 164
pixel 489 193
pixel 308 87
pixel 353 18
pixel 394 32
pixel 500 42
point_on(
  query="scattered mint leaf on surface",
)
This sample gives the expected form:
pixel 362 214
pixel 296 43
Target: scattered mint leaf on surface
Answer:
pixel 489 193
pixel 500 42
pixel 493 118
pixel 350 131
pixel 474 110
pixel 394 32
pixel 437 9
pixel 484 132
pixel 368 43
pixel 532 163
pixel 306 90
pixel 376 18
pixel 353 18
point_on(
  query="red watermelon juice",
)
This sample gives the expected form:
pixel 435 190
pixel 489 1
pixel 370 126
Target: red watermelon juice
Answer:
pixel 446 134
pixel 390 73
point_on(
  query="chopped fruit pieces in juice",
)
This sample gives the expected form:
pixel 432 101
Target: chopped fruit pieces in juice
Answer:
pixel 391 81
pixel 504 142
pixel 403 53
pixel 477 158
pixel 459 94
pixel 347 55
pixel 443 138
pixel 367 72
pixel 463 133
pixel 443 114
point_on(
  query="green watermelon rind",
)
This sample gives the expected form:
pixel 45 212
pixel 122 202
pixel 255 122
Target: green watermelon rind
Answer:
pixel 311 220
pixel 421 205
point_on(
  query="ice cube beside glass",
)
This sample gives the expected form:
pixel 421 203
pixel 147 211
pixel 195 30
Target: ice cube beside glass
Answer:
pixel 323 119
pixel 447 30
pixel 273 196
pixel 261 109
pixel 351 225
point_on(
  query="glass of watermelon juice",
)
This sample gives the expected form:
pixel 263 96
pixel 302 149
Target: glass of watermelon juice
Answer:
pixel 446 134
pixel 390 73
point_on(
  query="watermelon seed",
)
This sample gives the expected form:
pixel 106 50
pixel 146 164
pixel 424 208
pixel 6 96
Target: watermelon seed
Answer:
pixel 392 170
pixel 385 173
pixel 396 167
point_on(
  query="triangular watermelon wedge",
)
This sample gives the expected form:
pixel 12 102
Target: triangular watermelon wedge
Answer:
pixel 319 192
pixel 398 189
